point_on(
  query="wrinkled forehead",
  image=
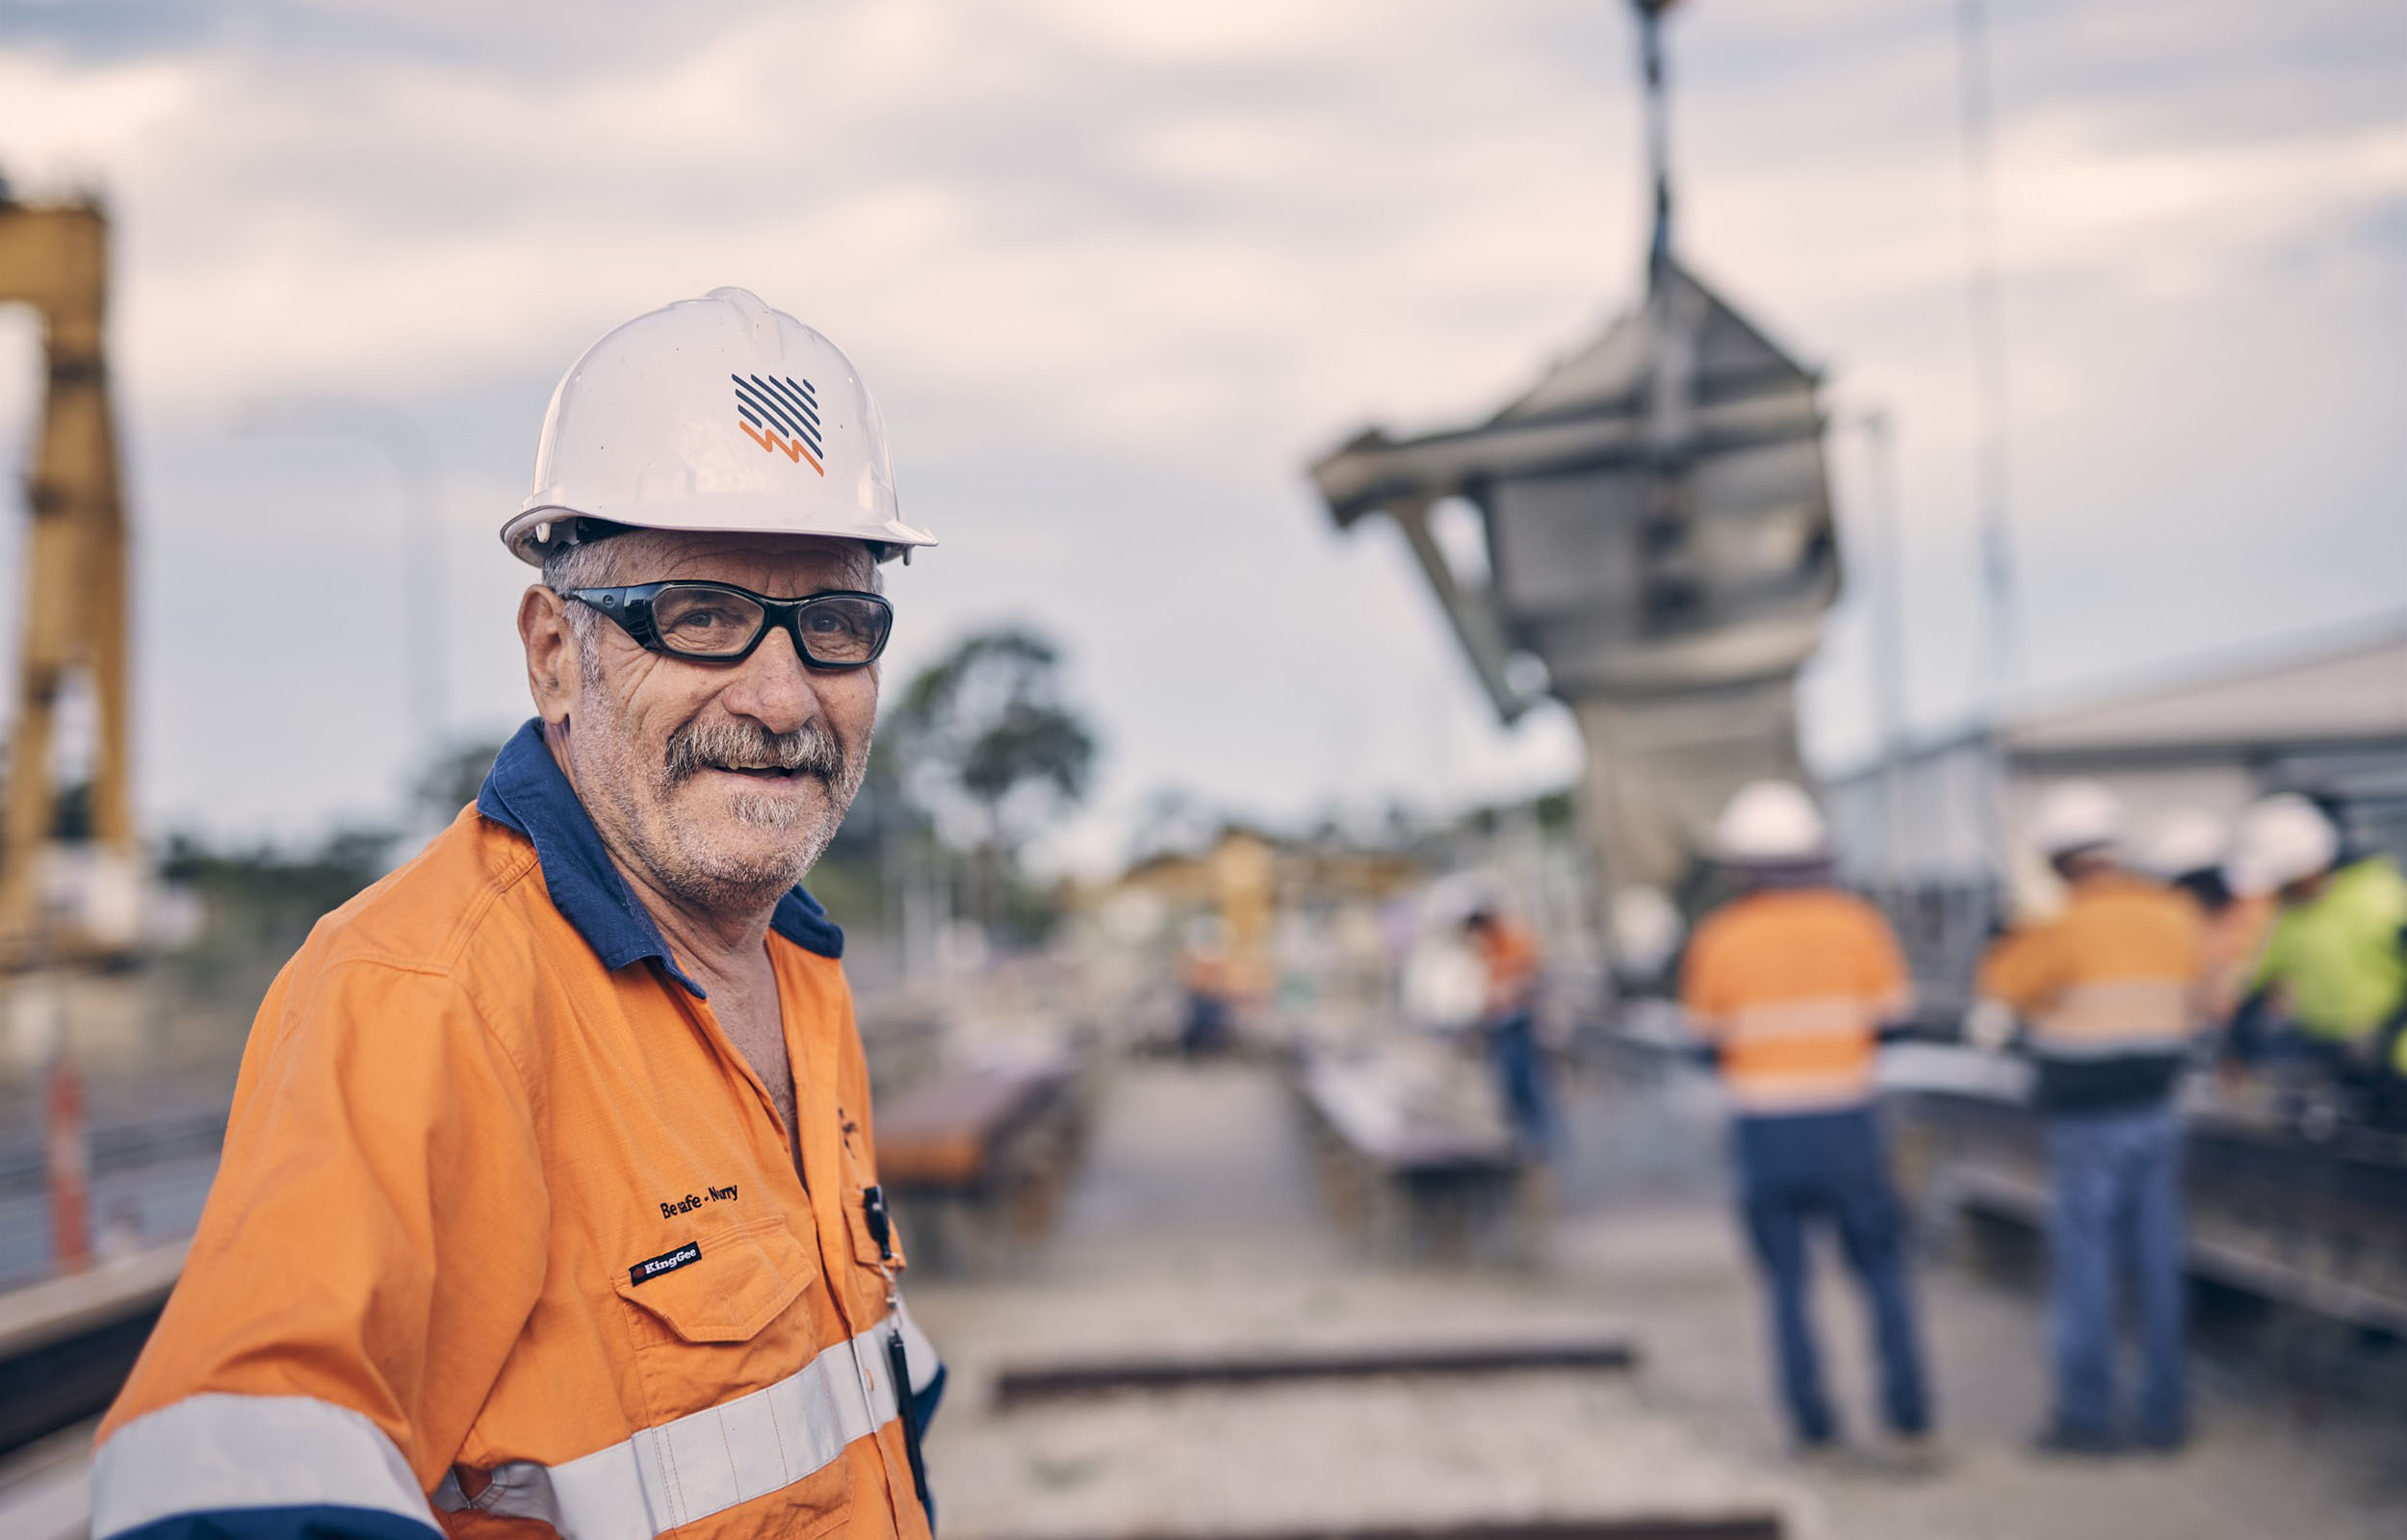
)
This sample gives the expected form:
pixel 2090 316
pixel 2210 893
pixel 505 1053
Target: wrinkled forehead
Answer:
pixel 781 565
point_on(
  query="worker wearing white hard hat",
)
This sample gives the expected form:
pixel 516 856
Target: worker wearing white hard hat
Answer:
pixel 2109 988
pixel 550 1201
pixel 717 415
pixel 2335 964
pixel 1772 825
pixel 2075 816
pixel 1791 985
pixel 1645 926
pixel 2184 841
pixel 2280 841
pixel 2187 848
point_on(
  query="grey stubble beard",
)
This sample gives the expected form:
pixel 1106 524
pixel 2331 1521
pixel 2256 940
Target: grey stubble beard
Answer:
pixel 685 867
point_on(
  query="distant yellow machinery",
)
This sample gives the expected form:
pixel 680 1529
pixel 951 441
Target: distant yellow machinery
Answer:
pixel 54 257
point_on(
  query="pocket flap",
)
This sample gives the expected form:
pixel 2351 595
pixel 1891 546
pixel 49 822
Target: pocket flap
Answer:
pixel 736 1282
pixel 865 1248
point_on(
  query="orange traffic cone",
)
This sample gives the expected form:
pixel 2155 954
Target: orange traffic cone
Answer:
pixel 70 1172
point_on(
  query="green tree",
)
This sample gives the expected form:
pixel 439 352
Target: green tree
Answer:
pixel 452 780
pixel 987 745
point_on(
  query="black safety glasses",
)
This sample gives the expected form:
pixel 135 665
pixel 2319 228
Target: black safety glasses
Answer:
pixel 720 623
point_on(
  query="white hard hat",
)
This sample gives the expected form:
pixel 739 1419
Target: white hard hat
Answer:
pixel 2076 815
pixel 2278 841
pixel 1444 986
pixel 1770 822
pixel 2185 840
pixel 713 414
pixel 1645 926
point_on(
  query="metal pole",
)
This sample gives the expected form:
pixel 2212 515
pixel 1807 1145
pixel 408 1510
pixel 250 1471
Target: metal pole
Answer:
pixel 1888 645
pixel 1658 129
pixel 1992 408
pixel 1991 402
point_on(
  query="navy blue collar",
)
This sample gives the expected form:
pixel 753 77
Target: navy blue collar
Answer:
pixel 526 792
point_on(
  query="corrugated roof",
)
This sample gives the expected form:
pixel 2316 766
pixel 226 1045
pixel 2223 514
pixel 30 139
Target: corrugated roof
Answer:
pixel 2344 691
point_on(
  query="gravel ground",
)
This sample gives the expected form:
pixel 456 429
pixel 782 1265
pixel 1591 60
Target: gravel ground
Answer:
pixel 1194 1226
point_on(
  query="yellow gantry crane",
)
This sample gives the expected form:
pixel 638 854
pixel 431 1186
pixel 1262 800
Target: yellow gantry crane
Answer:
pixel 54 257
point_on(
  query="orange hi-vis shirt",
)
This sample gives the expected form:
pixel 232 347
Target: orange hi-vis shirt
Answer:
pixel 1511 960
pixel 1791 986
pixel 2234 939
pixel 508 1239
pixel 1206 971
pixel 2112 988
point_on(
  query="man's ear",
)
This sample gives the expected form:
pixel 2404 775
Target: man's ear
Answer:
pixel 553 675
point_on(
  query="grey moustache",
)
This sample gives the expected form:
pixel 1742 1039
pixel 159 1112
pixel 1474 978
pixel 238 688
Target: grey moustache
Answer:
pixel 712 745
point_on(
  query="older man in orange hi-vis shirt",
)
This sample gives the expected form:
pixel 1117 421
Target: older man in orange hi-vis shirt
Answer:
pixel 2112 988
pixel 549 1204
pixel 1791 985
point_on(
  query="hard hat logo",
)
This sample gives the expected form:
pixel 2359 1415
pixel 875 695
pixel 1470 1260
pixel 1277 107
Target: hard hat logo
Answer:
pixel 782 415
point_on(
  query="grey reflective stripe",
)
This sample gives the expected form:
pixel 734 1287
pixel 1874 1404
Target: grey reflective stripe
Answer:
pixel 218 1452
pixel 2110 1017
pixel 712 1459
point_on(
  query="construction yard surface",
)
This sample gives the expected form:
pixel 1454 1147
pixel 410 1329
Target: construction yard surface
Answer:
pixel 1194 1235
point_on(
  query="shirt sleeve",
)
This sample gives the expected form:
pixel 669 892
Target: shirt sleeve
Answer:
pixel 2269 964
pixel 2023 969
pixel 1704 983
pixel 369 1253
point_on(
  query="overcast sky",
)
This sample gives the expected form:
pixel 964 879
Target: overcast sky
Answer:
pixel 1118 270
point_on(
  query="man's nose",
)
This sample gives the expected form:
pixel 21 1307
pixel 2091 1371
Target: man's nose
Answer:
pixel 772 686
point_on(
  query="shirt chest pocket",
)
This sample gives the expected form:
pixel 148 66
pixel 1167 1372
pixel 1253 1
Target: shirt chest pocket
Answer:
pixel 743 1401
pixel 724 1312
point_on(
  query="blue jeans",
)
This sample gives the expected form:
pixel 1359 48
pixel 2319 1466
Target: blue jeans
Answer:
pixel 1205 1029
pixel 1793 1172
pixel 2118 1194
pixel 1520 1069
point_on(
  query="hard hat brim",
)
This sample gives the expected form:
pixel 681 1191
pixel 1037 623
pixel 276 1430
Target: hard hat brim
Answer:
pixel 1786 860
pixel 2104 845
pixel 719 516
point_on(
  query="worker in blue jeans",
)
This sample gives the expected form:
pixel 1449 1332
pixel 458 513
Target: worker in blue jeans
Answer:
pixel 1510 958
pixel 2112 988
pixel 1789 987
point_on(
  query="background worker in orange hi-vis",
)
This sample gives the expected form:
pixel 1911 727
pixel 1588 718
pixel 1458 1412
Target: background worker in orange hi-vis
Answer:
pixel 1508 1020
pixel 1207 982
pixel 2110 988
pixel 2188 850
pixel 549 1205
pixel 1791 985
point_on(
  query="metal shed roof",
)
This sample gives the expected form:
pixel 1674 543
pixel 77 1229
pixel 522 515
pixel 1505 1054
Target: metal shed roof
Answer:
pixel 2342 688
